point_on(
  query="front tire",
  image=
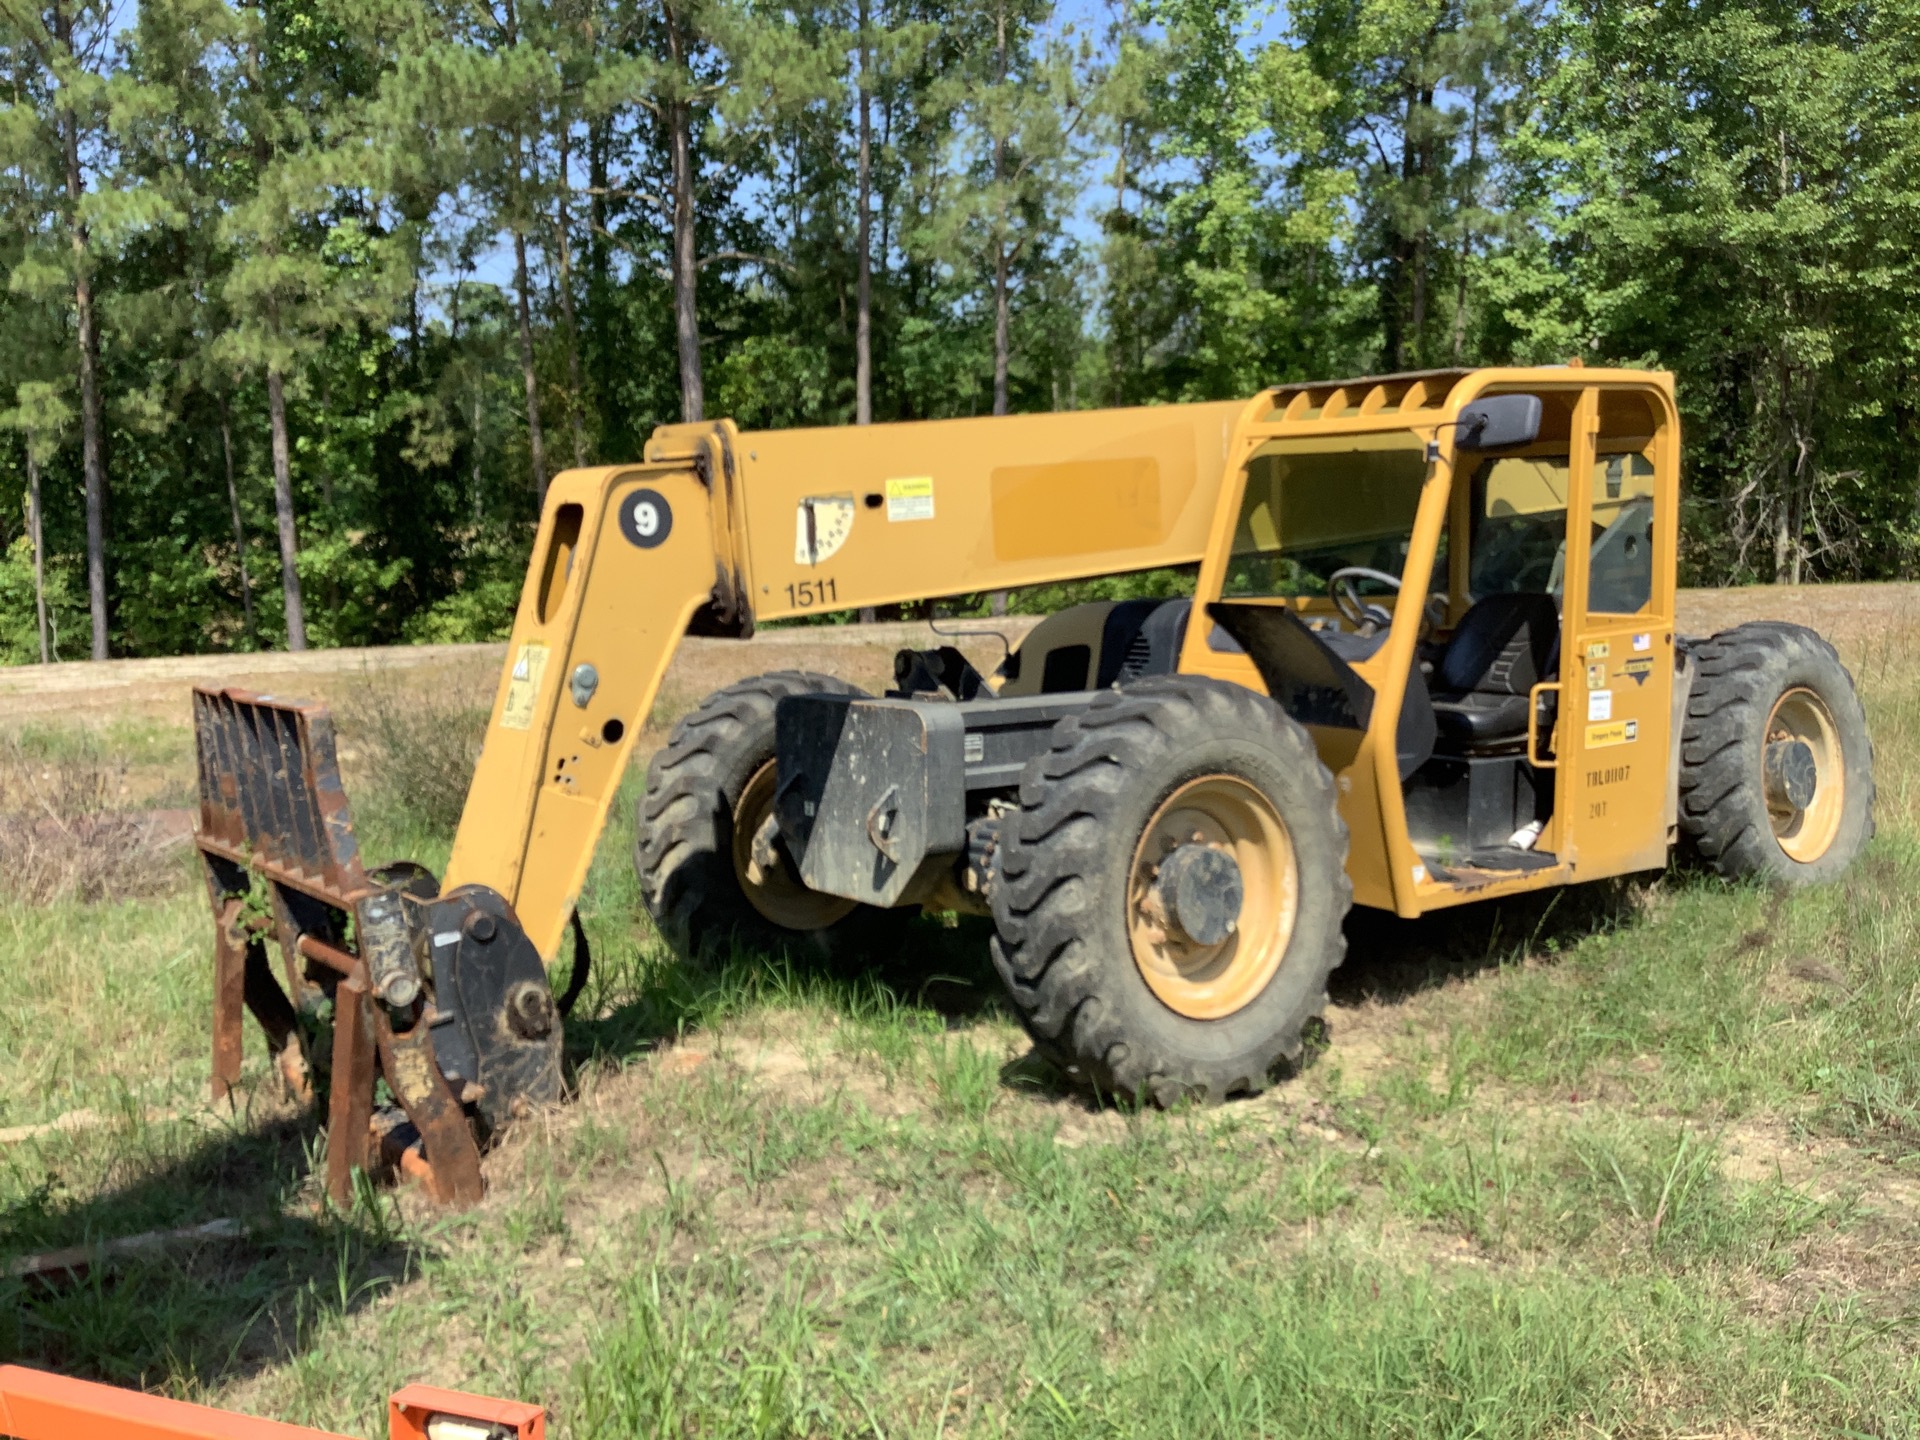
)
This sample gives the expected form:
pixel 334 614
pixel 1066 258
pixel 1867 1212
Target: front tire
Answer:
pixel 713 872
pixel 1776 777
pixel 1138 959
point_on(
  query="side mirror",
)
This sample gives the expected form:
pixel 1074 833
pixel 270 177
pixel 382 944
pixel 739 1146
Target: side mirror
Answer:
pixel 1498 422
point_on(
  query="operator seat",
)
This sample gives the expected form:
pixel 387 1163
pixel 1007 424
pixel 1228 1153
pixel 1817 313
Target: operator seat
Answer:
pixel 1503 647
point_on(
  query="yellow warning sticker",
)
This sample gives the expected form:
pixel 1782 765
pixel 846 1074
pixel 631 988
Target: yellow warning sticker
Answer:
pixel 910 497
pixel 1598 650
pixel 523 686
pixel 1616 732
pixel 1597 676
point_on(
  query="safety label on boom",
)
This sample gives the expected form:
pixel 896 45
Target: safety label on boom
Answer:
pixel 523 686
pixel 910 497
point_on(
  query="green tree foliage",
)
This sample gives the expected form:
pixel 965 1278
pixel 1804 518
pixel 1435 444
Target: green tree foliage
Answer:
pixel 1728 191
pixel 311 297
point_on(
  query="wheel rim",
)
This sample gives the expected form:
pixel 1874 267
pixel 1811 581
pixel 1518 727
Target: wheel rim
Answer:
pixel 1201 981
pixel 765 873
pixel 1806 830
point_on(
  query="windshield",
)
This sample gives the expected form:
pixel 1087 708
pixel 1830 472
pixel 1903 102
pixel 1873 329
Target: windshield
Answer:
pixel 1315 506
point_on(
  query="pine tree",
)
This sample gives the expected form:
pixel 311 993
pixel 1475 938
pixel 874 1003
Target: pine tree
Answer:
pixel 62 57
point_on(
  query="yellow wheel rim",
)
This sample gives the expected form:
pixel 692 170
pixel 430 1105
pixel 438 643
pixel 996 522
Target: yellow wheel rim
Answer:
pixel 1806 831
pixel 1201 981
pixel 765 873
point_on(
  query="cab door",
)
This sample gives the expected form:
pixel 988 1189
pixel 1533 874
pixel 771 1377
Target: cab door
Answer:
pixel 1616 675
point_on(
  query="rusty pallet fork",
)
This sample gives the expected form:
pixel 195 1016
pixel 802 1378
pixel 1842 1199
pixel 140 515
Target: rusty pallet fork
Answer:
pixel 439 995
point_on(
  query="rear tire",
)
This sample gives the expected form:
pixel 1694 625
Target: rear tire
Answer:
pixel 1125 1002
pixel 1766 686
pixel 709 790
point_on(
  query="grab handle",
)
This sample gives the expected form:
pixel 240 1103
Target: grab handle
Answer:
pixel 1534 757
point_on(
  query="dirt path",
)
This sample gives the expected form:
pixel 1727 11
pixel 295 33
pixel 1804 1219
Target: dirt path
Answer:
pixel 1860 619
pixel 158 689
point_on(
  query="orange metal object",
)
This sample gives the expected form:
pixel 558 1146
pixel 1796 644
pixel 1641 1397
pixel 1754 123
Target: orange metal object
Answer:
pixel 412 1407
pixel 35 1405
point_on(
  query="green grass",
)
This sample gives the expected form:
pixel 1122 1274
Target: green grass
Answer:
pixel 1640 1159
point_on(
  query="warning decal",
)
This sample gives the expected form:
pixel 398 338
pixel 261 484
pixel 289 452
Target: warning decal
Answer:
pixel 523 687
pixel 910 497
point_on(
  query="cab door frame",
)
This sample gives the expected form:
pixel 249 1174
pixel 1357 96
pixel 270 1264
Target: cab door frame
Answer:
pixel 1613 734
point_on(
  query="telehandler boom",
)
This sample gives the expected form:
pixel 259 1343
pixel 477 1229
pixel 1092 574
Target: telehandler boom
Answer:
pixel 1429 657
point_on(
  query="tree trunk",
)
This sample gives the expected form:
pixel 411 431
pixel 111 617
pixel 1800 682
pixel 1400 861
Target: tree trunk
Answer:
pixel 1466 232
pixel 863 323
pixel 86 326
pixel 686 273
pixel 536 440
pixel 601 358
pixel 473 471
pixel 1002 329
pixel 1783 545
pixel 239 533
pixel 283 512
pixel 39 553
pixel 563 253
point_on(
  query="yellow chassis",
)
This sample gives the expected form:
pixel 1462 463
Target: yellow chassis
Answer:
pixel 722 529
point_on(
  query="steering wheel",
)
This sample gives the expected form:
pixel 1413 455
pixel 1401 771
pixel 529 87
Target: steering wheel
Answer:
pixel 1345 593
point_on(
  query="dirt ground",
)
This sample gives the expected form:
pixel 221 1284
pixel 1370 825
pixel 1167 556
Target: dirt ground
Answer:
pixel 158 689
pixel 1852 616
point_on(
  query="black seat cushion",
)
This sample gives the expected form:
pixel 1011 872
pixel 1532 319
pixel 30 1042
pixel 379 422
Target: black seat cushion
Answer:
pixel 1476 719
pixel 1502 648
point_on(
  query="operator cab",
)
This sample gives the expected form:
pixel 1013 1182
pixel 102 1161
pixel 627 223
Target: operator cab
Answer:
pixel 1327 556
pixel 1511 523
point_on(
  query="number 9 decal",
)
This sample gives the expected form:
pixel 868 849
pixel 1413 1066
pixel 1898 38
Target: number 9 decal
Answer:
pixel 645 518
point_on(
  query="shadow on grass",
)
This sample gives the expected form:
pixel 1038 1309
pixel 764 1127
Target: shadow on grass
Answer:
pixel 184 1317
pixel 944 973
pixel 1390 960
pixel 635 1004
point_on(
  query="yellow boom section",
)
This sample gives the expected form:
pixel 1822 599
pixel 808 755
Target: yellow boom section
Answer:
pixel 767 525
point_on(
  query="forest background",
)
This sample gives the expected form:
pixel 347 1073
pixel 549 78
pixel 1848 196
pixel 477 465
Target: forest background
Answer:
pixel 307 298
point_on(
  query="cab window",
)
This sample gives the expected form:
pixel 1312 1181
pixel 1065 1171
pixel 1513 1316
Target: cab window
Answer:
pixel 1518 531
pixel 1518 527
pixel 1620 569
pixel 1316 506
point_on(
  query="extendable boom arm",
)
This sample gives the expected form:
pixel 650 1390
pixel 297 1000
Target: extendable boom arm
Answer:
pixel 727 529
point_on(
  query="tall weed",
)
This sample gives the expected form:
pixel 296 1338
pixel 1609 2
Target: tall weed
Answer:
pixel 418 743
pixel 64 831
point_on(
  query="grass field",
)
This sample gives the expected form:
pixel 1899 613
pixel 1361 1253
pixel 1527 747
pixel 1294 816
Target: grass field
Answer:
pixel 1640 1160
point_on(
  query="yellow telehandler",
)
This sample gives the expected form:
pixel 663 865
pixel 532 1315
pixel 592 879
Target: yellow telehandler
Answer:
pixel 1429 657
